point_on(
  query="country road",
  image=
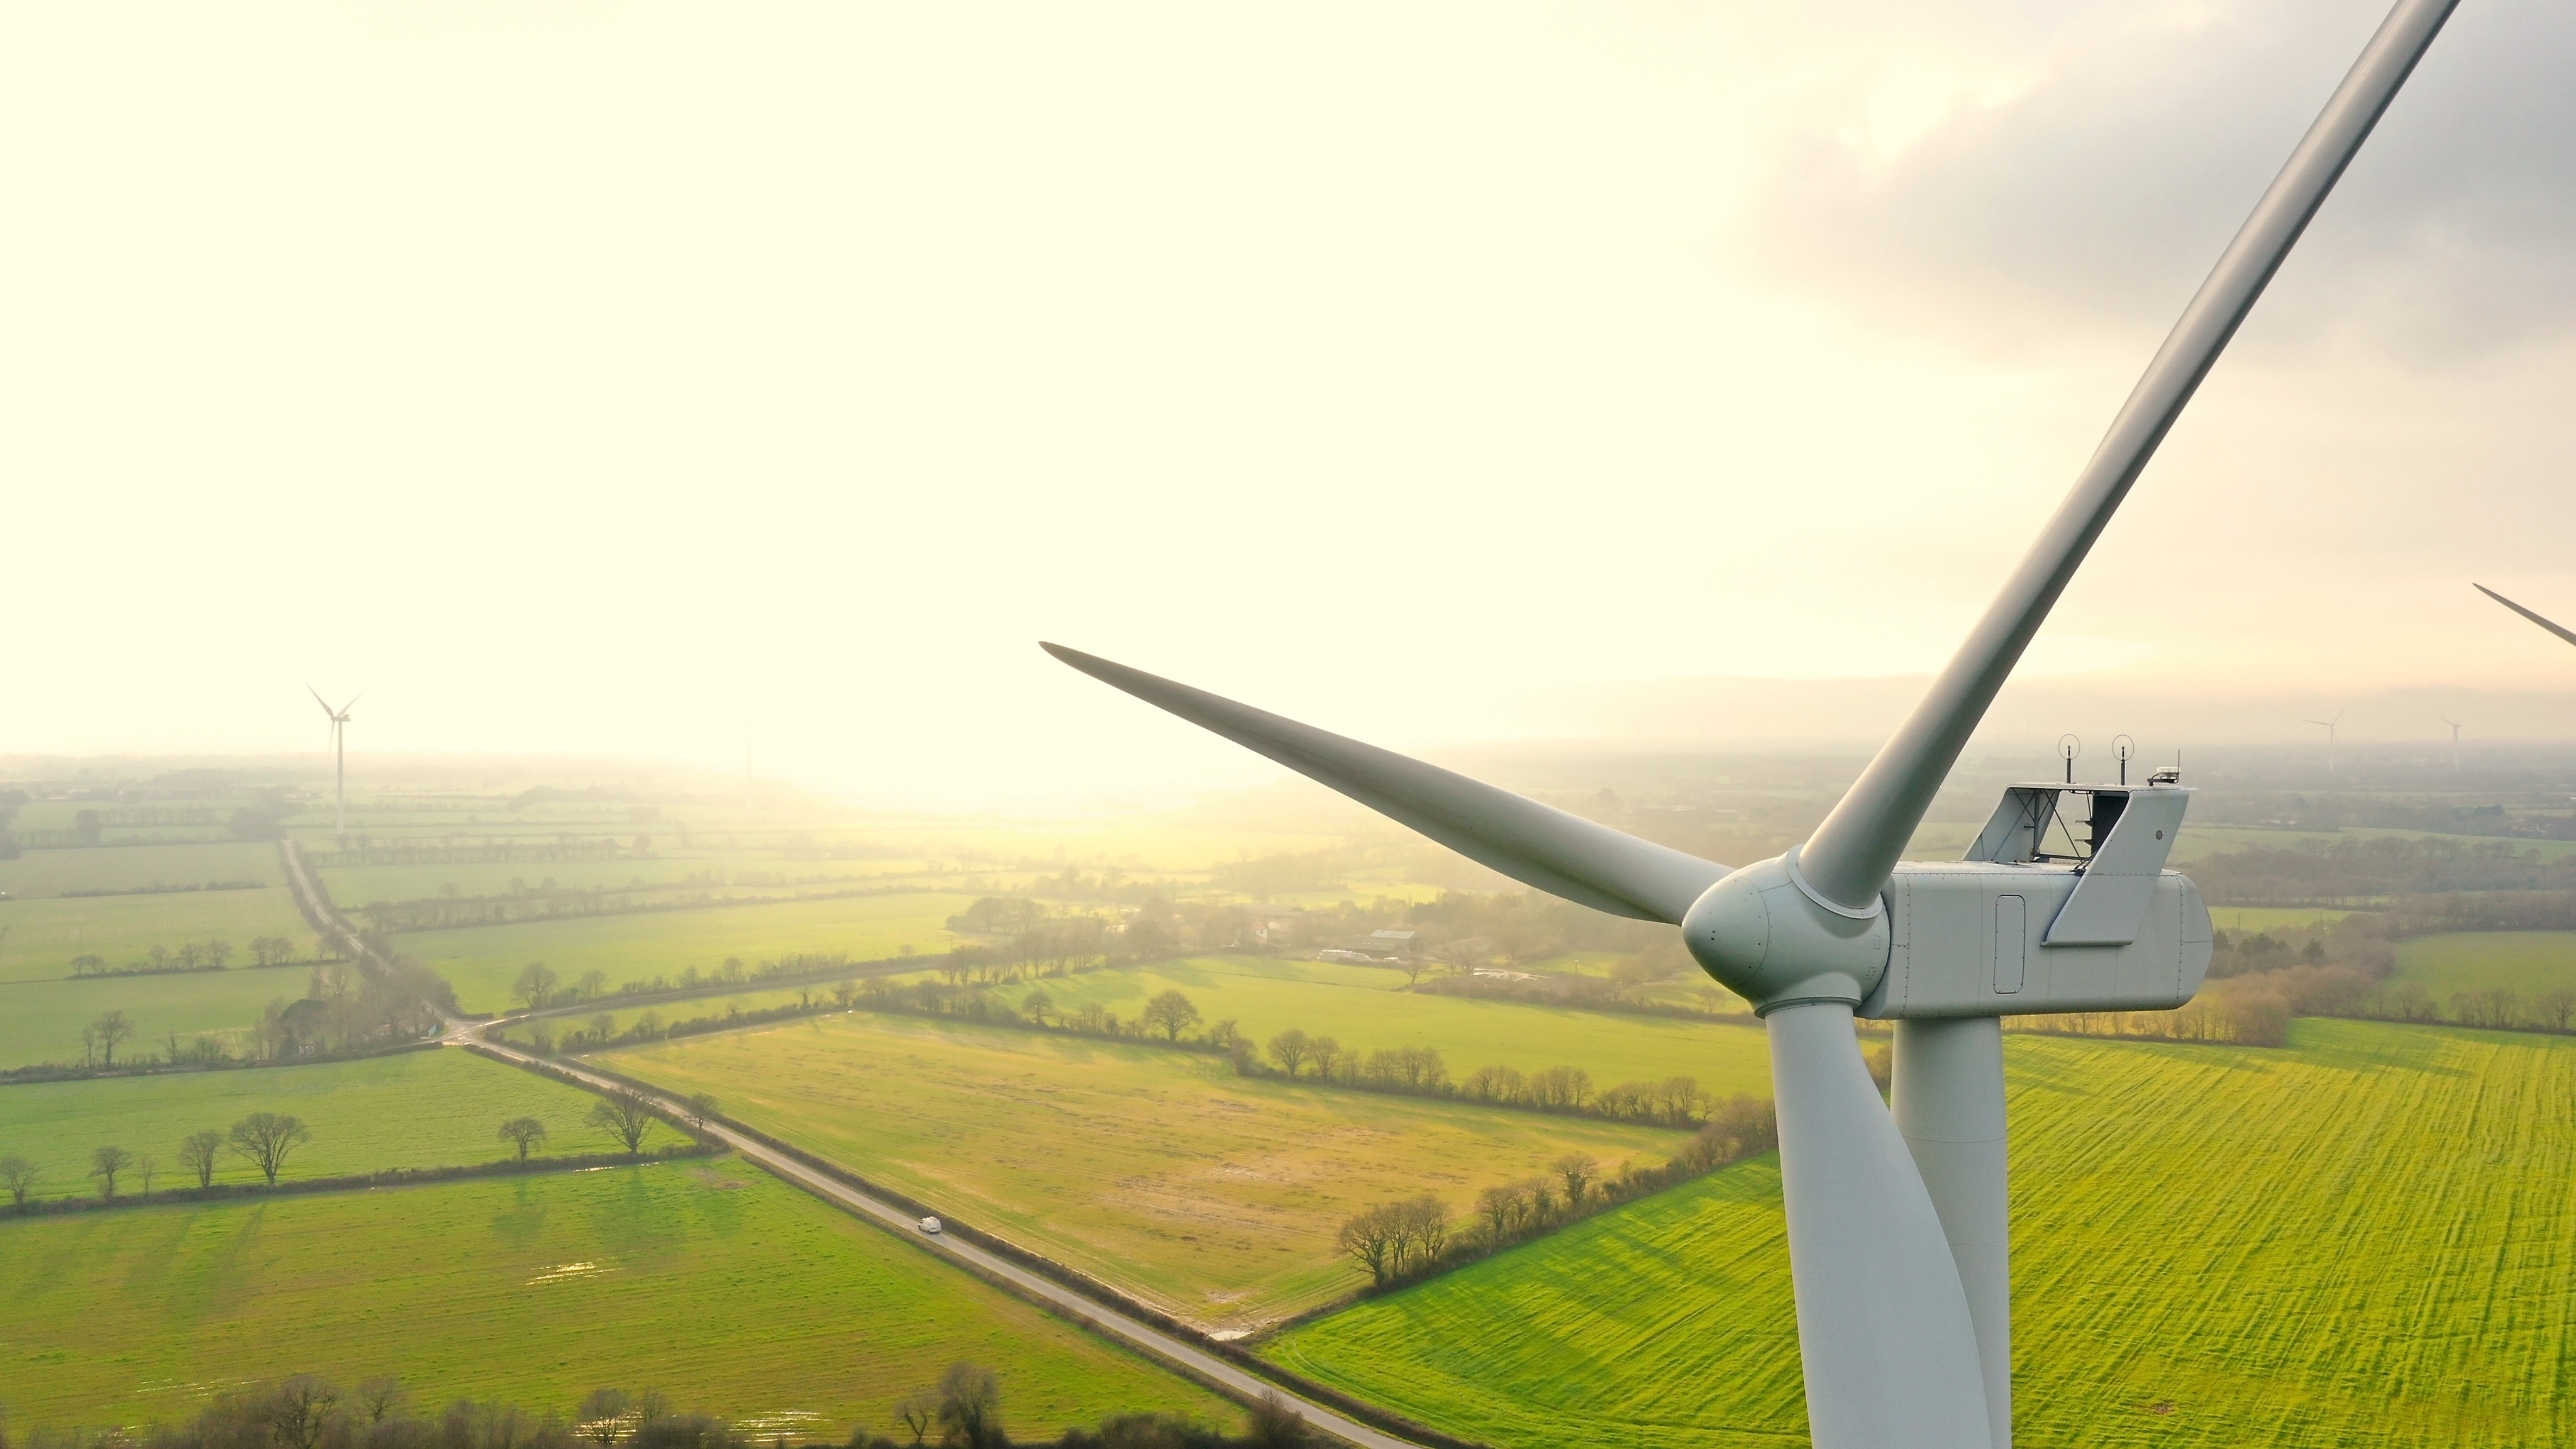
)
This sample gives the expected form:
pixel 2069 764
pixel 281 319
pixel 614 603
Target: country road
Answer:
pixel 1055 1297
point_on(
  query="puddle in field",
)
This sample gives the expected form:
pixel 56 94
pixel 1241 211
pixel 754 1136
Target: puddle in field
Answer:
pixel 563 1271
pixel 778 1421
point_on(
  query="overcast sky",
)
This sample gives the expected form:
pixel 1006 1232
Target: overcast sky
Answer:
pixel 604 376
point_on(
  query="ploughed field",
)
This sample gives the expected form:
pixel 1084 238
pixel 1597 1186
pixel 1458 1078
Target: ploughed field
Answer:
pixel 1213 1196
pixel 2365 1238
pixel 482 962
pixel 725 1289
pixel 434 1108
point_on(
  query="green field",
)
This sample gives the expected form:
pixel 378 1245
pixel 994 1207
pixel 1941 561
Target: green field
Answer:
pixel 1366 1007
pixel 416 1109
pixel 52 872
pixel 2246 920
pixel 1213 1196
pixel 2362 1239
pixel 728 1291
pixel 353 887
pixel 483 962
pixel 41 1021
pixel 39 938
pixel 2523 961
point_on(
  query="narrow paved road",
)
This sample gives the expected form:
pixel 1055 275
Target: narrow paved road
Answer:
pixel 1052 1295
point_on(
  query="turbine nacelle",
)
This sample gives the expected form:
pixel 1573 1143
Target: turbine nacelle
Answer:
pixel 2015 929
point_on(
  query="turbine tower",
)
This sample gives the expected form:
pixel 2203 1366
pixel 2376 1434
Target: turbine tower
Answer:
pixel 1898 1220
pixel 2455 742
pixel 339 759
pixel 2328 725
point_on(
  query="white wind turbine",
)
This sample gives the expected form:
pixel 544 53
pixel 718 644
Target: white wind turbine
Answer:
pixel 339 757
pixel 2328 725
pixel 2455 741
pixel 1897 1221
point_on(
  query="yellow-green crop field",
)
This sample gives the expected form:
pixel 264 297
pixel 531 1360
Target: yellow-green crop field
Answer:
pixel 2364 1239
pixel 1367 1008
pixel 2247 920
pixel 1212 1196
pixel 39 938
pixel 481 962
pixel 2523 961
pixel 52 872
pixel 728 1291
pixel 41 1021
pixel 439 1108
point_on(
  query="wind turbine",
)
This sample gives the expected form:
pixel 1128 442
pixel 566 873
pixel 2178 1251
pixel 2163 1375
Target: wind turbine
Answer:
pixel 2328 725
pixel 1898 1221
pixel 2455 742
pixel 339 756
pixel 2526 613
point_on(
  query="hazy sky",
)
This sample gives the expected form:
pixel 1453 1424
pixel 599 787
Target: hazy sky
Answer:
pixel 602 376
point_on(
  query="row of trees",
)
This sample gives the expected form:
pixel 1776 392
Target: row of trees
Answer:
pixel 963 1411
pixel 263 1139
pixel 194 956
pixel 1405 1241
pixel 343 1010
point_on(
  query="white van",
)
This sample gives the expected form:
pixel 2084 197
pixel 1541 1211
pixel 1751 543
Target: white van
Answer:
pixel 930 1225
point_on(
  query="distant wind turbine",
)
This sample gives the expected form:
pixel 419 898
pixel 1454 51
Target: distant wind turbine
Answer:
pixel 2455 742
pixel 339 757
pixel 2328 725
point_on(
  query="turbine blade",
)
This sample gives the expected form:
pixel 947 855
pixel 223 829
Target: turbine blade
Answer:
pixel 318 699
pixel 1884 1335
pixel 2526 613
pixel 1562 854
pixel 353 699
pixel 1848 858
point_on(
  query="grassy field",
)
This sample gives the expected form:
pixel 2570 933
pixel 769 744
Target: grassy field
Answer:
pixel 725 1289
pixel 354 886
pixel 2362 1239
pixel 2524 961
pixel 52 872
pixel 1365 1007
pixel 39 938
pixel 416 1109
pixel 482 962
pixel 41 1021
pixel 1213 1196
pixel 2247 920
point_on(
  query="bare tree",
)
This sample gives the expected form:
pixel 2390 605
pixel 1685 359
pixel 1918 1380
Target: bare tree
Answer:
pixel 602 1416
pixel 523 1133
pixel 217 953
pixel 1274 1423
pixel 535 986
pixel 1324 1052
pixel 18 1176
pixel 917 1411
pixel 2554 1007
pixel 300 1409
pixel 197 1153
pixel 1172 1012
pixel 1574 1170
pixel 970 1408
pixel 104 1164
pixel 1369 1237
pixel 379 1398
pixel 1288 1049
pixel 702 1105
pixel 265 1138
pixel 625 1114
pixel 145 1165
pixel 110 1030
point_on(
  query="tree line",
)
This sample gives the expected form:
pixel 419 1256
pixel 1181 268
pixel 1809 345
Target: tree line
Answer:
pixel 212 955
pixel 343 1012
pixel 962 1410
pixel 1411 1239
pixel 263 1139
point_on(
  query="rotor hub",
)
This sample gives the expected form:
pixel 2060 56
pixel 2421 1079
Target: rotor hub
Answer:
pixel 1763 934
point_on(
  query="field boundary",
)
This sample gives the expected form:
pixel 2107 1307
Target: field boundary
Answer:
pixel 383 1177
pixel 42 1072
